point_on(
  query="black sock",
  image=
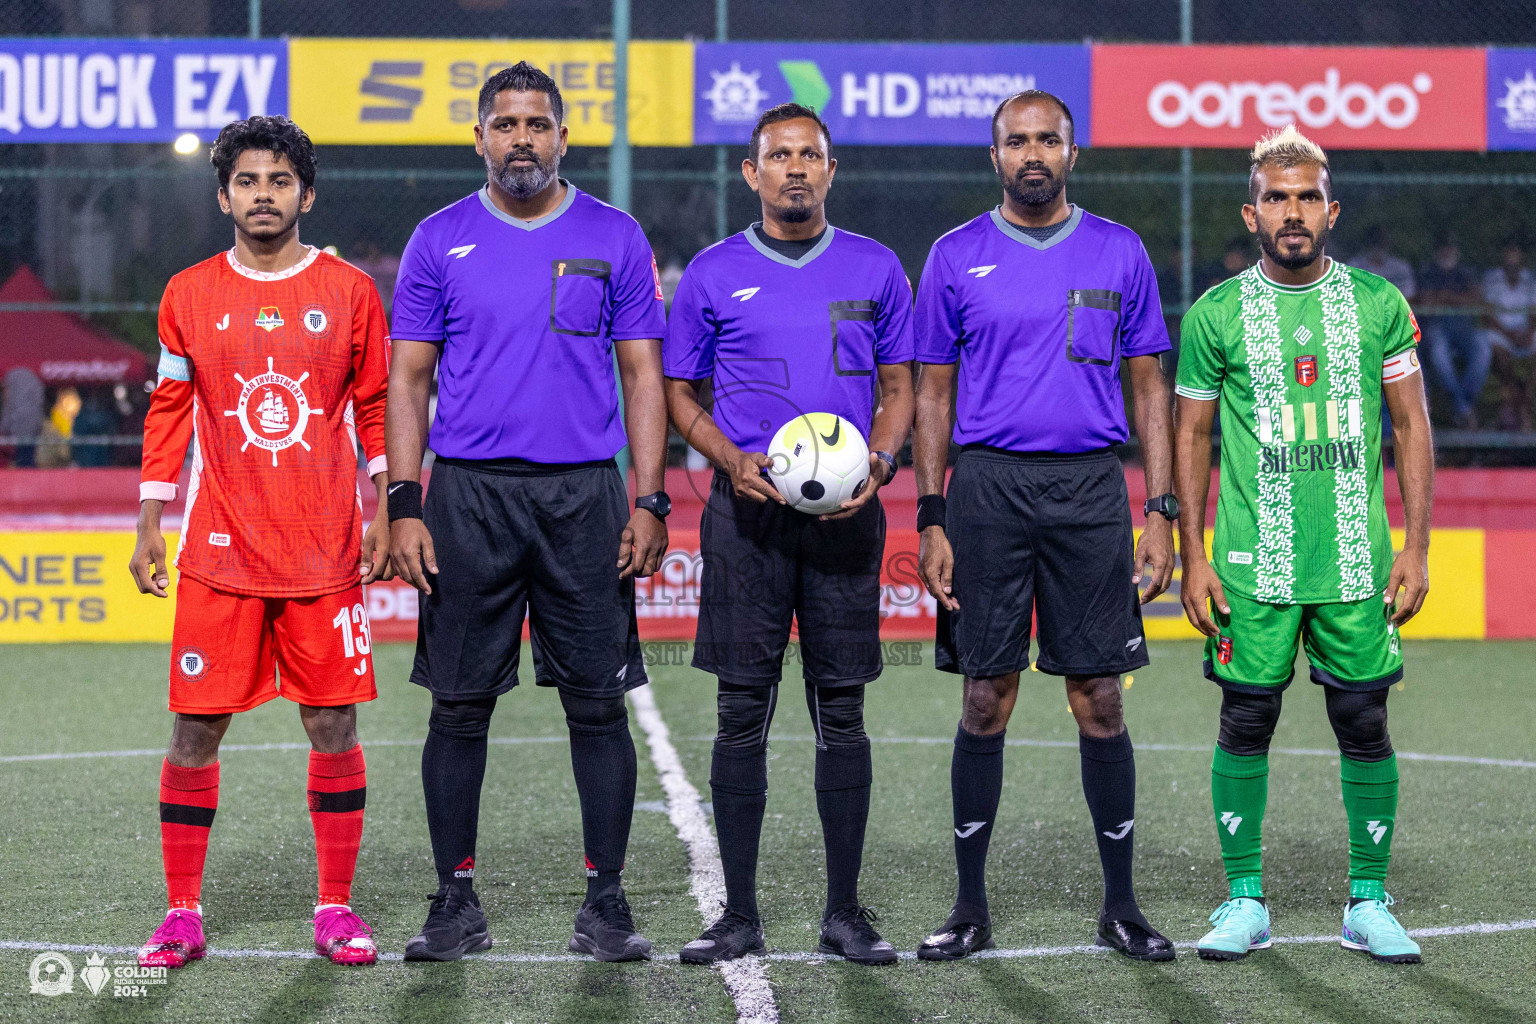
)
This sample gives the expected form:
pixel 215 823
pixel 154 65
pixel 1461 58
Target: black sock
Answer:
pixel 1109 784
pixel 603 759
pixel 843 775
pixel 452 769
pixel 738 782
pixel 976 785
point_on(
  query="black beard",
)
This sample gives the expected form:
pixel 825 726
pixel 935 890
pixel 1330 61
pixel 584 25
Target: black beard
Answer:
pixel 1271 246
pixel 795 213
pixel 791 212
pixel 524 183
pixel 1042 194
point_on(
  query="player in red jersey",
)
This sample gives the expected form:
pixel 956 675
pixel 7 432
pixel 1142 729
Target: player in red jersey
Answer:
pixel 273 363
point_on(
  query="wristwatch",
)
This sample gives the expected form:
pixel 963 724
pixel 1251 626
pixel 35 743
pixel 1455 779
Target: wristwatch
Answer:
pixel 890 462
pixel 1165 505
pixel 657 504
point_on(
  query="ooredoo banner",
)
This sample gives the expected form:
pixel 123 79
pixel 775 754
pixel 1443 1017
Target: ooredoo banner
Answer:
pixel 1343 97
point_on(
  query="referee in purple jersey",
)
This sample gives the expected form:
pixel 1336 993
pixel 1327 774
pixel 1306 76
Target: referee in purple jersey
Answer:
pixel 519 296
pixel 1025 316
pixel 792 315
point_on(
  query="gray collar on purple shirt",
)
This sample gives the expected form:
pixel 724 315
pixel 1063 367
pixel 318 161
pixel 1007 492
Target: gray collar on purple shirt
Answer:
pixel 537 222
pixel 820 247
pixel 1016 233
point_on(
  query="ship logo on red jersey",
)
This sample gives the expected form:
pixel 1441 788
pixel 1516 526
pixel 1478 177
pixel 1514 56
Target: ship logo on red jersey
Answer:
pixel 269 319
pixel 273 411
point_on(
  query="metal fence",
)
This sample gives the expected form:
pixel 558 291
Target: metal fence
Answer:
pixel 106 225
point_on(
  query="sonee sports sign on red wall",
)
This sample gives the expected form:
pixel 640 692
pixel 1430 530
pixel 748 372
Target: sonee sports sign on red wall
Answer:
pixel 1342 97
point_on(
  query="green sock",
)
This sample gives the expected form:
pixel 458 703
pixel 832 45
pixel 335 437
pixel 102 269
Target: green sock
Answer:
pixel 1239 791
pixel 1370 802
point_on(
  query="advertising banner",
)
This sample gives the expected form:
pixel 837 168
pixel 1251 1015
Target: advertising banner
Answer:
pixel 1512 99
pixel 132 90
pixel 70 586
pixel 886 94
pixel 61 586
pixel 1342 97
pixel 423 92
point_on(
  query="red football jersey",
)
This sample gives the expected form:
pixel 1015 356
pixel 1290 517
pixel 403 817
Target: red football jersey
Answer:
pixel 273 378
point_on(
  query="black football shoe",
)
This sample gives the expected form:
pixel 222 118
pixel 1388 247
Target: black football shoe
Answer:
pixel 455 926
pixel 734 935
pixel 849 932
pixel 958 937
pixel 1134 937
pixel 606 931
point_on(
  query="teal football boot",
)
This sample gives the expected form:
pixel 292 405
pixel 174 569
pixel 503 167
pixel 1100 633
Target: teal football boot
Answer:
pixel 1370 927
pixel 1242 926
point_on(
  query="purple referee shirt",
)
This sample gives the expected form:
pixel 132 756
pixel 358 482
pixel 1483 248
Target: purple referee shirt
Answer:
pixel 1039 329
pixel 783 337
pixel 526 313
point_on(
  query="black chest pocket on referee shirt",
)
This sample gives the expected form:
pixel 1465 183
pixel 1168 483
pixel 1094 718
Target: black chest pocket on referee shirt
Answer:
pixel 1093 326
pixel 853 337
pixel 576 296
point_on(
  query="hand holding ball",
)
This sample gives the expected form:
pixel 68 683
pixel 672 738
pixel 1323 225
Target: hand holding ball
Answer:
pixel 819 461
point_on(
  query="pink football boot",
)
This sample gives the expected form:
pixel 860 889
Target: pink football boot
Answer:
pixel 342 937
pixel 178 940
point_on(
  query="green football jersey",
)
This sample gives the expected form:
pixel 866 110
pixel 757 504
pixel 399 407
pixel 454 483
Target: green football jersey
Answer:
pixel 1298 370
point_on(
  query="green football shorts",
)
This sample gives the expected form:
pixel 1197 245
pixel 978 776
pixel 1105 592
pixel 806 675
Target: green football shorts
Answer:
pixel 1352 646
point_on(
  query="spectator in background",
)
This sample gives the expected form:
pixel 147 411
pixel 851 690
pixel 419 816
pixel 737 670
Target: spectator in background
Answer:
pixel 1456 351
pixel 97 419
pixel 1235 259
pixel 21 414
pixel 53 445
pixel 1509 292
pixel 1379 259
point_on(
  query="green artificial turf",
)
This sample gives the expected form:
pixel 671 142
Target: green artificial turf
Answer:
pixel 80 862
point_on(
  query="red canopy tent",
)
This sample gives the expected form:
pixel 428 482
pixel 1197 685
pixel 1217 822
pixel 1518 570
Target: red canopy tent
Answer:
pixel 61 348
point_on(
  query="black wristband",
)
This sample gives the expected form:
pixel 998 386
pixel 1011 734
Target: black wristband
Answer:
pixel 930 511
pixel 404 498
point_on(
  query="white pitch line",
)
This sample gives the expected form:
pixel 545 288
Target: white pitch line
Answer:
pixel 944 741
pixel 1027 952
pixel 160 751
pixel 746 978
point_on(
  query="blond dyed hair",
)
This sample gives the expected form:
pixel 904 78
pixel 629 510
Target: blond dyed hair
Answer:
pixel 1284 148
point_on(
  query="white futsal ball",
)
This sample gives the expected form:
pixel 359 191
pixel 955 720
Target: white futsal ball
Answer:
pixel 819 461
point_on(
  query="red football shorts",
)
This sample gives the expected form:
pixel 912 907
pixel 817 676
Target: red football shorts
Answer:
pixel 231 652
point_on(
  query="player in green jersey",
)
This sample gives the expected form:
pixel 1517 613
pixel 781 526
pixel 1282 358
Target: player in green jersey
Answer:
pixel 1299 353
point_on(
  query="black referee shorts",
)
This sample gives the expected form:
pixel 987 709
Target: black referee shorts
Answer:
pixel 1043 535
pixel 765 566
pixel 511 538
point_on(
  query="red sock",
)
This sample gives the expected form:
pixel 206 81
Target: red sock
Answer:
pixel 188 799
pixel 338 787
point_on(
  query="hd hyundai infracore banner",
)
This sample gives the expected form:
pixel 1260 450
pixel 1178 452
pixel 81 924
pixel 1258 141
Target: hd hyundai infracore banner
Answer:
pixel 422 91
